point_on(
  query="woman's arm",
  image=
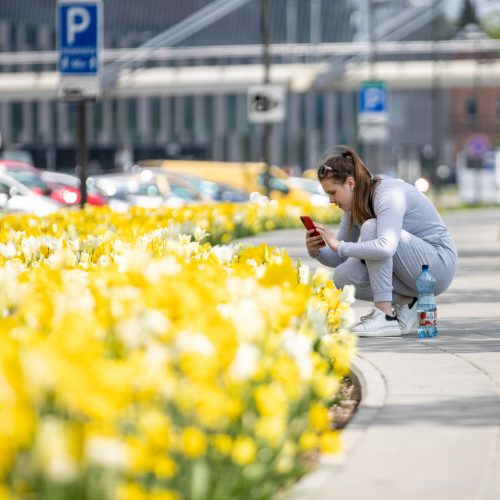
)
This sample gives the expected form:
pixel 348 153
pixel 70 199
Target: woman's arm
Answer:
pixel 329 257
pixel 389 208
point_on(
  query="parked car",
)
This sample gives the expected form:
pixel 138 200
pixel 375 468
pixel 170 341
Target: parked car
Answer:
pixel 69 185
pixel 246 176
pixel 144 189
pixel 209 190
pixel 32 178
pixel 16 197
pixel 27 175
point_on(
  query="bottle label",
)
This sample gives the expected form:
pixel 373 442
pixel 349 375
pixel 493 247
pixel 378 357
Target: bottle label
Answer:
pixel 427 318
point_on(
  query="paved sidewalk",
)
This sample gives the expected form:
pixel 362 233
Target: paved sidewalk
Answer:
pixel 435 433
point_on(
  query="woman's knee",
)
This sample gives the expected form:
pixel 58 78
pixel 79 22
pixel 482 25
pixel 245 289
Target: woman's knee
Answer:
pixel 341 277
pixel 368 230
pixel 351 272
pixel 356 275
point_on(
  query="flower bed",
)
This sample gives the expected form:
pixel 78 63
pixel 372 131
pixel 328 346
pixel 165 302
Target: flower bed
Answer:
pixel 137 362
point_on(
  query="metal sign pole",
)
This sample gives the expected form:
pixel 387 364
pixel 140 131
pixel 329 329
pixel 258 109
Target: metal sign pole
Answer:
pixel 82 152
pixel 79 40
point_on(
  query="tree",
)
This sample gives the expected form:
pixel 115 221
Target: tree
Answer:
pixel 468 14
pixel 491 25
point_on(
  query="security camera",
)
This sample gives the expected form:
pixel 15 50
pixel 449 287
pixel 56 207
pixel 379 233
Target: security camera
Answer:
pixel 263 103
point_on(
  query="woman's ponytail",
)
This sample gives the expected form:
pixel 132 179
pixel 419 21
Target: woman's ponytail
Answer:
pixel 362 208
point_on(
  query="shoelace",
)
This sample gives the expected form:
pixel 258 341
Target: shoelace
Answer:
pixel 397 308
pixel 368 316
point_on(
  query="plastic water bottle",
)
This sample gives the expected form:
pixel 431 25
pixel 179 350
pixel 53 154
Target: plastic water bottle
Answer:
pixel 426 304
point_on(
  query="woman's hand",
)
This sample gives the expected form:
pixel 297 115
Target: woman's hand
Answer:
pixel 328 236
pixel 313 243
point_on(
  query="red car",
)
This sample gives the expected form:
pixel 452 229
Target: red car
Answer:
pixel 32 178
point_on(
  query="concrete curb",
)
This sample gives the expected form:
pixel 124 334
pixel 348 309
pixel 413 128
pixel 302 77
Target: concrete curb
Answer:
pixel 373 396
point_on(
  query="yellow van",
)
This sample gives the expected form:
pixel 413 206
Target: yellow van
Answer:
pixel 247 176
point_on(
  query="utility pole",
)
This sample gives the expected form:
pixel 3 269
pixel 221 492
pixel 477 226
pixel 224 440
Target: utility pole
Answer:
pixel 436 102
pixel 371 149
pixel 371 39
pixel 265 26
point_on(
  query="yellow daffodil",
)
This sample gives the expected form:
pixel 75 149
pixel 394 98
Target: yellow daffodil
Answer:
pixel 244 450
pixel 141 357
pixel 193 442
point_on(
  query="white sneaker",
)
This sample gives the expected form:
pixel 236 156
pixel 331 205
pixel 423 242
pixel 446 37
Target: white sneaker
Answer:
pixel 407 315
pixel 377 324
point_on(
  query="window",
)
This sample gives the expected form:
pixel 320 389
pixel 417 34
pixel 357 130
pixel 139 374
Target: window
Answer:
pixel 17 118
pixel 155 113
pixel 208 113
pixel 131 114
pixel 471 107
pixel 497 108
pixel 115 117
pixel 13 37
pixel 31 37
pixel 97 117
pixel 320 108
pixel 189 112
pixel 232 111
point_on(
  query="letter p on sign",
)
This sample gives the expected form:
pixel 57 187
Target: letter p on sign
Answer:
pixel 78 21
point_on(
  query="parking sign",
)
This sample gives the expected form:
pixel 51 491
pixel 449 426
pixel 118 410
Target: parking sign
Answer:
pixel 373 124
pixel 372 97
pixel 79 39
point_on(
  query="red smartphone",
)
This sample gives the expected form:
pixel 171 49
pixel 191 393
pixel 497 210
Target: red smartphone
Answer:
pixel 309 224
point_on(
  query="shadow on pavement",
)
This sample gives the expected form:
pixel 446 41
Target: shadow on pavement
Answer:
pixel 467 411
pixel 457 295
pixel 450 341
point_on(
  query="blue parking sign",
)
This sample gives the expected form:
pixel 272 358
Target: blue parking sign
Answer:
pixel 373 119
pixel 78 38
pixel 372 97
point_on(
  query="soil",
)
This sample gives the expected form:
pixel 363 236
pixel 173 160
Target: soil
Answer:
pixel 347 402
pixel 340 412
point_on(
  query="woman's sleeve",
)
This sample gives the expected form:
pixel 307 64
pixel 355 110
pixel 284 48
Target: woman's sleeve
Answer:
pixel 346 232
pixel 389 208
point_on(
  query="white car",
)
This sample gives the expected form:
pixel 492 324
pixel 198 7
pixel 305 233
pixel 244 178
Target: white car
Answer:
pixel 16 197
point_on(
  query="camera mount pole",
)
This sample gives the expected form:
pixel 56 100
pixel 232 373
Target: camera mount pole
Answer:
pixel 265 25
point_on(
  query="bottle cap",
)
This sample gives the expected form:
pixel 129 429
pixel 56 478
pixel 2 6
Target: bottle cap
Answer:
pixel 425 267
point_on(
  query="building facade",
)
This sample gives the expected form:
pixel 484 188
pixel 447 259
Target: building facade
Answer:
pixel 215 125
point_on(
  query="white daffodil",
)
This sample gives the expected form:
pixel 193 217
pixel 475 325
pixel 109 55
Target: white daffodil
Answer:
pixel 246 317
pixel 200 234
pixel 30 248
pixel 52 451
pixel 62 258
pixel 105 451
pixel 317 320
pixel 304 274
pixel 321 276
pixel 347 318
pixel 225 253
pixel 348 294
pixel 299 347
pixel 8 250
pixel 194 342
pixel 246 362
